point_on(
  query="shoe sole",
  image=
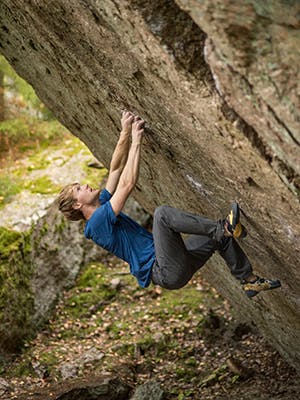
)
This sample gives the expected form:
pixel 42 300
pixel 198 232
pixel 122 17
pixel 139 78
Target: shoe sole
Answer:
pixel 234 215
pixel 237 229
pixel 244 232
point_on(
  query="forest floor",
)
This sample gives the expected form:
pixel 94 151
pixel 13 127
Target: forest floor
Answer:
pixel 186 340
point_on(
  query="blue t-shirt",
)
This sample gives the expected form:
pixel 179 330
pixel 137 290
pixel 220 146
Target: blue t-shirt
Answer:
pixel 123 237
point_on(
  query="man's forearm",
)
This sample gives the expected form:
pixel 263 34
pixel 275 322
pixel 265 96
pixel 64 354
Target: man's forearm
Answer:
pixel 130 173
pixel 120 154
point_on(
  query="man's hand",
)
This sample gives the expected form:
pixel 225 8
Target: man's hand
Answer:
pixel 137 130
pixel 126 121
pixel 130 173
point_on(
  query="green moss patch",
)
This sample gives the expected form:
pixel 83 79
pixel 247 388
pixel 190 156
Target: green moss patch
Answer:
pixel 42 185
pixel 16 299
pixel 9 186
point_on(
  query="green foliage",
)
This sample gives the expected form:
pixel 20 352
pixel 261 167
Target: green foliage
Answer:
pixel 15 84
pixel 23 129
pixel 15 128
pixel 49 358
pixel 16 299
pixel 216 375
pixel 24 368
pixel 9 186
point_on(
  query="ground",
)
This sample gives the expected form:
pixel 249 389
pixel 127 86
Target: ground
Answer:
pixel 186 340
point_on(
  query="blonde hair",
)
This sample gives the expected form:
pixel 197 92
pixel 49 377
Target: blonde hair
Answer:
pixel 66 203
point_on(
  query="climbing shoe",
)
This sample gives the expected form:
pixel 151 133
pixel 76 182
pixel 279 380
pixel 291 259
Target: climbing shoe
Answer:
pixel 233 224
pixel 253 288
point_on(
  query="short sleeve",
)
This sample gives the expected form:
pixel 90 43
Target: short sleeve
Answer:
pixel 104 196
pixel 101 222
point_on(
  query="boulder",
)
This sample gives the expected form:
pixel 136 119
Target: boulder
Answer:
pixel 148 391
pixel 59 249
pixel 36 266
pixel 104 387
pixel 218 84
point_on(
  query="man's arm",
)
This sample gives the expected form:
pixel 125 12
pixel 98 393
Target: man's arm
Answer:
pixel 120 154
pixel 130 173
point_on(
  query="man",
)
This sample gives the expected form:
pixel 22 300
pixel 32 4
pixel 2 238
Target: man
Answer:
pixel 162 257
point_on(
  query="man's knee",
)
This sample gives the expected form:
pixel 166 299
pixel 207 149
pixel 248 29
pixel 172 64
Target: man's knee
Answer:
pixel 174 278
pixel 170 283
pixel 161 211
pixel 176 282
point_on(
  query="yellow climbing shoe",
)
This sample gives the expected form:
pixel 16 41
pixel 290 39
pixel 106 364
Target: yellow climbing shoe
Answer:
pixel 253 288
pixel 233 222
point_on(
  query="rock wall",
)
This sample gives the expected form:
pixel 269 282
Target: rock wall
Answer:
pixel 218 84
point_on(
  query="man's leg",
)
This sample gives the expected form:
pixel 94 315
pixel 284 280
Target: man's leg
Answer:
pixel 235 258
pixel 241 268
pixel 184 222
pixel 200 248
pixel 177 261
pixel 175 264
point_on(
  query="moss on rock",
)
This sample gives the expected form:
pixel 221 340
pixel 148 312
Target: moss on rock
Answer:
pixel 16 299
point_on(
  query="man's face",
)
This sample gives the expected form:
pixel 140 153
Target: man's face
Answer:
pixel 85 195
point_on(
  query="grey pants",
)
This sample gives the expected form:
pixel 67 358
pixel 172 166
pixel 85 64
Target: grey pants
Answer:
pixel 177 260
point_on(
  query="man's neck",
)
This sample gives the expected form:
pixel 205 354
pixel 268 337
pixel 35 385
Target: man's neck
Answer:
pixel 88 210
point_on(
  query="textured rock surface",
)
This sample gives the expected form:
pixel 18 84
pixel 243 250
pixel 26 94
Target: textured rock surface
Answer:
pixel 148 391
pixel 216 131
pixel 58 251
pixel 253 52
pixel 94 388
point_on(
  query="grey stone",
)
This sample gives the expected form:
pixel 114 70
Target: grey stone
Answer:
pixel 115 283
pixel 148 391
pixel 59 249
pixel 68 371
pixel 90 356
pixel 104 387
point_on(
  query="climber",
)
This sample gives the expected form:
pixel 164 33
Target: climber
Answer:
pixel 162 257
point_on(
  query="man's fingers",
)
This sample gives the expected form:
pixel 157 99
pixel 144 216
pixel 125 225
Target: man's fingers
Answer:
pixel 126 113
pixel 140 123
pixel 129 118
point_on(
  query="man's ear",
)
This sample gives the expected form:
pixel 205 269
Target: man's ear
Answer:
pixel 77 205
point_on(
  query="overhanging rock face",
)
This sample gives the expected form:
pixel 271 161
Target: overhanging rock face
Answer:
pixel 218 85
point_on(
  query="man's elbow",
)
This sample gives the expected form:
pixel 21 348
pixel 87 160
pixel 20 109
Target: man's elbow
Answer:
pixel 127 185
